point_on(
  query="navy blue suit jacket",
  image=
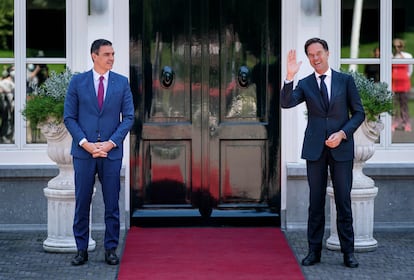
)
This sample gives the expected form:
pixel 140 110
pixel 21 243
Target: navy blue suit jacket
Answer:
pixel 345 112
pixel 84 119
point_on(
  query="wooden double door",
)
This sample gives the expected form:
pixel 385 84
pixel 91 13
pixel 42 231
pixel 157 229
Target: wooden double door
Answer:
pixel 205 80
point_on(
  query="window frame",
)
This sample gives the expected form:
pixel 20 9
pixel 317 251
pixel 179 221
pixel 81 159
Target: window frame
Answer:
pixel 385 63
pixel 21 152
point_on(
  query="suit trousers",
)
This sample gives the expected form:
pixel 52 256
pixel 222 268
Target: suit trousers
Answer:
pixel 341 176
pixel 109 175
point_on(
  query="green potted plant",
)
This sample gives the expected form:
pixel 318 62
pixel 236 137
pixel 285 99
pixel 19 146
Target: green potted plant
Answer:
pixel 375 96
pixel 46 102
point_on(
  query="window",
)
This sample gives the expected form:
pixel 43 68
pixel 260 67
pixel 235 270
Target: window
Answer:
pixel 7 71
pixel 402 77
pixel 26 59
pixel 383 52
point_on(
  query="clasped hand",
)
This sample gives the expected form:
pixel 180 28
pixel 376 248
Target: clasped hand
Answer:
pixel 98 149
pixel 334 139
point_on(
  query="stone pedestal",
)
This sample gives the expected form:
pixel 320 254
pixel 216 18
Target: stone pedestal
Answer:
pixel 363 192
pixel 363 214
pixel 60 192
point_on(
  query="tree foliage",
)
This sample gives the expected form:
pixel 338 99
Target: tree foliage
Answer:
pixel 6 23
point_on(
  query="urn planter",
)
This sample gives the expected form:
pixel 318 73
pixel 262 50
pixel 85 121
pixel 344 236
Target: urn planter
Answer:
pixel 363 192
pixel 60 191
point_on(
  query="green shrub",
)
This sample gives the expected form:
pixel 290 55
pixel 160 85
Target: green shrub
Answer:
pixel 375 96
pixel 47 101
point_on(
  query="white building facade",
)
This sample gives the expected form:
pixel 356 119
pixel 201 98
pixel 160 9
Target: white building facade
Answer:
pixel 351 27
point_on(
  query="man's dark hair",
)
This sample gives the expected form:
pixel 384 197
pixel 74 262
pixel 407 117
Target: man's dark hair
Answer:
pixel 98 43
pixel 316 40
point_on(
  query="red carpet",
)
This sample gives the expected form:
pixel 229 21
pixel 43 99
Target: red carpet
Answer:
pixel 207 253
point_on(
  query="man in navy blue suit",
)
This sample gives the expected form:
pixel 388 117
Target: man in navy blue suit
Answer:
pixel 334 112
pixel 98 131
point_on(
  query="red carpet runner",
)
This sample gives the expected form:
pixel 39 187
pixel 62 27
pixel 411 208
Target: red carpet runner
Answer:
pixel 207 253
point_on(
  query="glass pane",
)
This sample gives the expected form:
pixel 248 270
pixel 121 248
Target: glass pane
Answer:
pixel 360 28
pixel 402 78
pixel 7 104
pixel 244 53
pixel 167 67
pixel 46 28
pixel 403 23
pixel 403 103
pixel 372 71
pixel 360 68
pixel 36 74
pixel 6 28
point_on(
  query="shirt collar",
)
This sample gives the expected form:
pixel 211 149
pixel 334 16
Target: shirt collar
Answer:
pixel 328 73
pixel 96 75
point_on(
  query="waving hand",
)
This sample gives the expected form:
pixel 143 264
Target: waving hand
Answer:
pixel 292 65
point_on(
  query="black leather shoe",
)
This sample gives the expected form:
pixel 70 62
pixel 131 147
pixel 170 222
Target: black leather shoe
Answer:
pixel 111 257
pixel 350 260
pixel 80 258
pixel 312 258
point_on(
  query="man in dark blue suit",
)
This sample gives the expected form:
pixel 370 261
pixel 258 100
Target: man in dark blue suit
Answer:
pixel 98 129
pixel 334 111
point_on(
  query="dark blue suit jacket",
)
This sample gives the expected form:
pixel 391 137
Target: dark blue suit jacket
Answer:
pixel 345 112
pixel 84 119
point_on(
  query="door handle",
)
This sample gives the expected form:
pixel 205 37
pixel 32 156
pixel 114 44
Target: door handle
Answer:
pixel 243 76
pixel 213 125
pixel 167 76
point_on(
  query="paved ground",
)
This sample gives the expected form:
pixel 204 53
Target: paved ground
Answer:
pixel 393 259
pixel 23 257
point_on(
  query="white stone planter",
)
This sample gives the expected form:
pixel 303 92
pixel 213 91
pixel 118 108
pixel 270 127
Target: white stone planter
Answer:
pixel 60 192
pixel 363 192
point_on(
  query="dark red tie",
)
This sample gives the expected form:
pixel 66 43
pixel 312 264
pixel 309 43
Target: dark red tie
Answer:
pixel 100 92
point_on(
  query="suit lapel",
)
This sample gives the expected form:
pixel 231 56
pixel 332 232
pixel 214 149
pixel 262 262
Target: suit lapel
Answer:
pixel 109 89
pixel 334 84
pixel 91 89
